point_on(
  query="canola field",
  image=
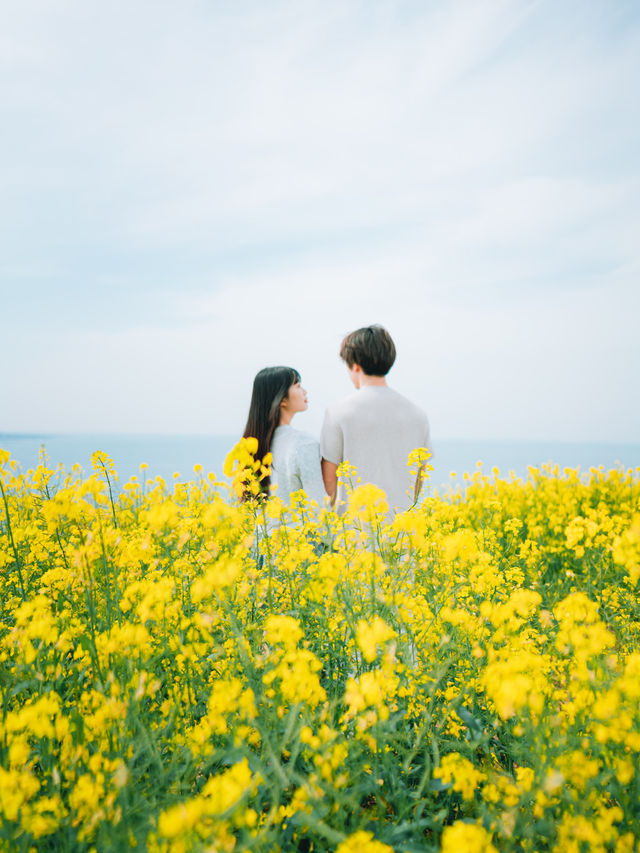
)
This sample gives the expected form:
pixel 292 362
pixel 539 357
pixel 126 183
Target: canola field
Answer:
pixel 182 672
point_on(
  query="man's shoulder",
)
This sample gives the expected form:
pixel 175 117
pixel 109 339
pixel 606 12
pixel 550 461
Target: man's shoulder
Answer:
pixel 341 407
pixel 404 402
pixel 374 398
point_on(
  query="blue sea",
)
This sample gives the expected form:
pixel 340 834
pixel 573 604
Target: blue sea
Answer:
pixel 167 455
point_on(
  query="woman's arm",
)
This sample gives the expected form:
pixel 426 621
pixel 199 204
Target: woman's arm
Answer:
pixel 309 470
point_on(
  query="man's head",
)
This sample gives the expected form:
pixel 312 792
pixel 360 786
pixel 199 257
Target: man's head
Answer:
pixel 371 349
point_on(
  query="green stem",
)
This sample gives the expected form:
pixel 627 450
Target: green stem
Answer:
pixel 91 610
pixel 269 566
pixel 64 556
pixel 105 568
pixel 12 541
pixel 113 508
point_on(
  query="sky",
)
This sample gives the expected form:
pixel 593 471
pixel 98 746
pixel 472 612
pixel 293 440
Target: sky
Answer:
pixel 192 191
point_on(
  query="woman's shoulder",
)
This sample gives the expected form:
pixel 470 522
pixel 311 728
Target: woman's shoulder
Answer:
pixel 288 436
pixel 303 438
pixel 293 439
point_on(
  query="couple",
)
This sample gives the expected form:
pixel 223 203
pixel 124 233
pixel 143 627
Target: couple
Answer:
pixel 374 429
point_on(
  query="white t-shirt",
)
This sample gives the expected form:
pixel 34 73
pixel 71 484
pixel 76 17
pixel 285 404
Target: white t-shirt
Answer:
pixel 375 429
pixel 296 464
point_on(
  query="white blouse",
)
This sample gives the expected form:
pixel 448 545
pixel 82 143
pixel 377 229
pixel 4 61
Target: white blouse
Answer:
pixel 296 465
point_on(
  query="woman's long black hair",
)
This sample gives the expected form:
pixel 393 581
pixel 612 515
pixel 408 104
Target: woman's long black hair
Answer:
pixel 270 387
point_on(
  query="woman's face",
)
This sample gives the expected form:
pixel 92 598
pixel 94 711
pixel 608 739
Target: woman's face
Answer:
pixel 295 401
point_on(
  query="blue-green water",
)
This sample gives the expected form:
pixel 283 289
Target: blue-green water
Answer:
pixel 164 454
pixel 168 454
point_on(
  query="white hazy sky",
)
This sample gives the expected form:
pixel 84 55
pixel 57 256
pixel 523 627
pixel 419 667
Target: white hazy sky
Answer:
pixel 191 191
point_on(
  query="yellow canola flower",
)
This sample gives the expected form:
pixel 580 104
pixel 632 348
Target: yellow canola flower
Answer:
pixel 625 770
pixel 372 689
pixel 460 617
pixel 38 717
pixel 464 837
pixel 368 503
pixel 242 467
pixel 503 790
pixel 102 463
pixel 161 515
pixel 86 800
pixel 525 778
pixel 17 787
pixel 181 818
pixel 418 459
pixel 460 545
pixel 19 751
pixel 283 630
pixel 581 632
pixel 520 606
pixel 327 574
pixel 299 802
pixel 157 599
pixel 34 620
pixel 347 475
pixel 460 771
pixel 296 674
pixel 43 817
pixel 220 794
pixel 224 791
pixel 626 551
pixel 363 842
pixel 578 769
pixel 147 625
pixel 576 609
pixel 630 682
pixel 517 681
pixel 578 832
pixel 224 572
pixel 228 697
pixel 370 635
pixel 241 455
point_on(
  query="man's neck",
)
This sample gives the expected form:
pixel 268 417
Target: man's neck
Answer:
pixel 373 381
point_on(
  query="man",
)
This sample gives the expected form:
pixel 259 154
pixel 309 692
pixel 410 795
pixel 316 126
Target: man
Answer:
pixel 375 428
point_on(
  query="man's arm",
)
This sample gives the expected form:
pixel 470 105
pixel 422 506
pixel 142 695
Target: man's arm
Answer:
pixel 331 444
pixel 330 478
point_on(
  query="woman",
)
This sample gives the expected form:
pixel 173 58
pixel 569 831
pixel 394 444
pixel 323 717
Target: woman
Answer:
pixel 277 396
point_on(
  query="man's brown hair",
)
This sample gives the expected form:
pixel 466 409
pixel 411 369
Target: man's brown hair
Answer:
pixel 372 348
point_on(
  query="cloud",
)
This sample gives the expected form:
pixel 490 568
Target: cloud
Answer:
pixel 193 191
pixel 562 366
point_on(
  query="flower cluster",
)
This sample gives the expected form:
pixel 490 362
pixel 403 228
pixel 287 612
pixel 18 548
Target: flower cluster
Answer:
pixel 181 671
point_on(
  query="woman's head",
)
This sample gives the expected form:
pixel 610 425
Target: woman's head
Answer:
pixel 269 397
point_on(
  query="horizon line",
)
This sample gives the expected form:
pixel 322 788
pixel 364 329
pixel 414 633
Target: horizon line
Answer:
pixel 24 435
